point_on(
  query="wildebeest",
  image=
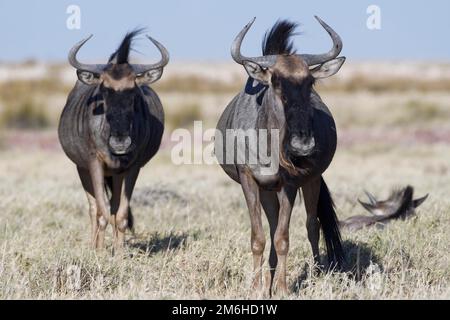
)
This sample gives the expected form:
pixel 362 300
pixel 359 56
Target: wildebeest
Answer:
pixel 110 127
pixel 280 94
pixel 399 205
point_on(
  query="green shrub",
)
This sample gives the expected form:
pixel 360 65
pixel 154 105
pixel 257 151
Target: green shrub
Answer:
pixel 25 115
pixel 184 116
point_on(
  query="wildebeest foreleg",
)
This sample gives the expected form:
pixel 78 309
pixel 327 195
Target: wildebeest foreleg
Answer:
pixel 258 241
pixel 97 177
pixel 87 186
pixel 271 207
pixel 311 195
pixel 286 198
pixel 122 192
pixel 116 202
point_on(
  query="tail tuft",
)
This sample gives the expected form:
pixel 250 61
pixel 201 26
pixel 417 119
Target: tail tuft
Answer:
pixel 108 181
pixel 130 221
pixel 330 227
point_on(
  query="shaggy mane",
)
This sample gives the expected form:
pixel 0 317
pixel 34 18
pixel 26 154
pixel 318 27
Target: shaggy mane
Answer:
pixel 278 39
pixel 120 56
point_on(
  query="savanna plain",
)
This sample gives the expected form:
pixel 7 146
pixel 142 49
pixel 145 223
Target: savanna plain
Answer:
pixel 192 230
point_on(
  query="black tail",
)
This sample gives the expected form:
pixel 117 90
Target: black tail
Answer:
pixel 108 188
pixel 330 227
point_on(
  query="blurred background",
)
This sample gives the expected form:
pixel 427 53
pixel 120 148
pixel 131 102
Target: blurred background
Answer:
pixel 394 84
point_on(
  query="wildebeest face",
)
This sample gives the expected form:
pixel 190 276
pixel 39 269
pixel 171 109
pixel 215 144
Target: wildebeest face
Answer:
pixel 292 82
pixel 119 97
pixel 118 87
pixel 119 105
pixel 119 93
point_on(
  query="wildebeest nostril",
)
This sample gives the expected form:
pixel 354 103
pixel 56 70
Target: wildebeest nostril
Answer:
pixel 296 142
pixel 302 146
pixel 119 144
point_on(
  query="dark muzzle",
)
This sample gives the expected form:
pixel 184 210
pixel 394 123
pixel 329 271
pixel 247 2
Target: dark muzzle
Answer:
pixel 119 145
pixel 301 146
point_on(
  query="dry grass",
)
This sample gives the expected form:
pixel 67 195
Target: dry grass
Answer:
pixel 391 84
pixel 26 115
pixel 192 228
pixel 190 84
pixel 183 116
pixel 192 237
pixel 29 104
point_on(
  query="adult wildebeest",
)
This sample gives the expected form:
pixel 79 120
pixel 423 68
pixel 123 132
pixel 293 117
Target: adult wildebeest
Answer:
pixel 111 126
pixel 279 94
pixel 399 205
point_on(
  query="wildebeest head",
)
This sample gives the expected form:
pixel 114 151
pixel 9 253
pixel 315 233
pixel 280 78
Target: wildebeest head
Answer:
pixel 400 204
pixel 290 78
pixel 119 90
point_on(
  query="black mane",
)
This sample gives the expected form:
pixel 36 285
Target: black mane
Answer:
pixel 278 39
pixel 121 54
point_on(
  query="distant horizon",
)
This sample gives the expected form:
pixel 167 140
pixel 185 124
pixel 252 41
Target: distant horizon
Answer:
pixel 202 30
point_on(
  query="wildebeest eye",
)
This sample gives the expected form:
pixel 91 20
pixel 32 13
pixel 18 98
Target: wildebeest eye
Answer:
pixel 99 109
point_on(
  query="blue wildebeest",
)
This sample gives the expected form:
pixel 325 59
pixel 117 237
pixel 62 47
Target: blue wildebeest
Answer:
pixel 279 94
pixel 399 205
pixel 110 127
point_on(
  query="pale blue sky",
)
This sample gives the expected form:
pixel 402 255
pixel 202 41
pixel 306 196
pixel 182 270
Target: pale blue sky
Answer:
pixel 204 30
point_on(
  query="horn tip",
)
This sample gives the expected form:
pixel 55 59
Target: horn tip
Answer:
pixel 321 21
pixel 250 22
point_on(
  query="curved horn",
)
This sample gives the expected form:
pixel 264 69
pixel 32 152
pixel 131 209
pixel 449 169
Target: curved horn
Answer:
pixel 263 61
pixel 142 68
pixel 369 207
pixel 418 202
pixel 314 59
pixel 372 199
pixel 94 68
pixel 236 46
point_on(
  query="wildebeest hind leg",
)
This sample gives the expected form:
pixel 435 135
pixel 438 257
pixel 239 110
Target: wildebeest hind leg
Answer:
pixel 271 207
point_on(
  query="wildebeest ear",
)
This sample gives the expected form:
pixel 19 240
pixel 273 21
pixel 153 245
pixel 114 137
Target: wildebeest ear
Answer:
pixel 257 72
pixel 149 76
pixel 328 68
pixel 88 78
pixel 418 202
